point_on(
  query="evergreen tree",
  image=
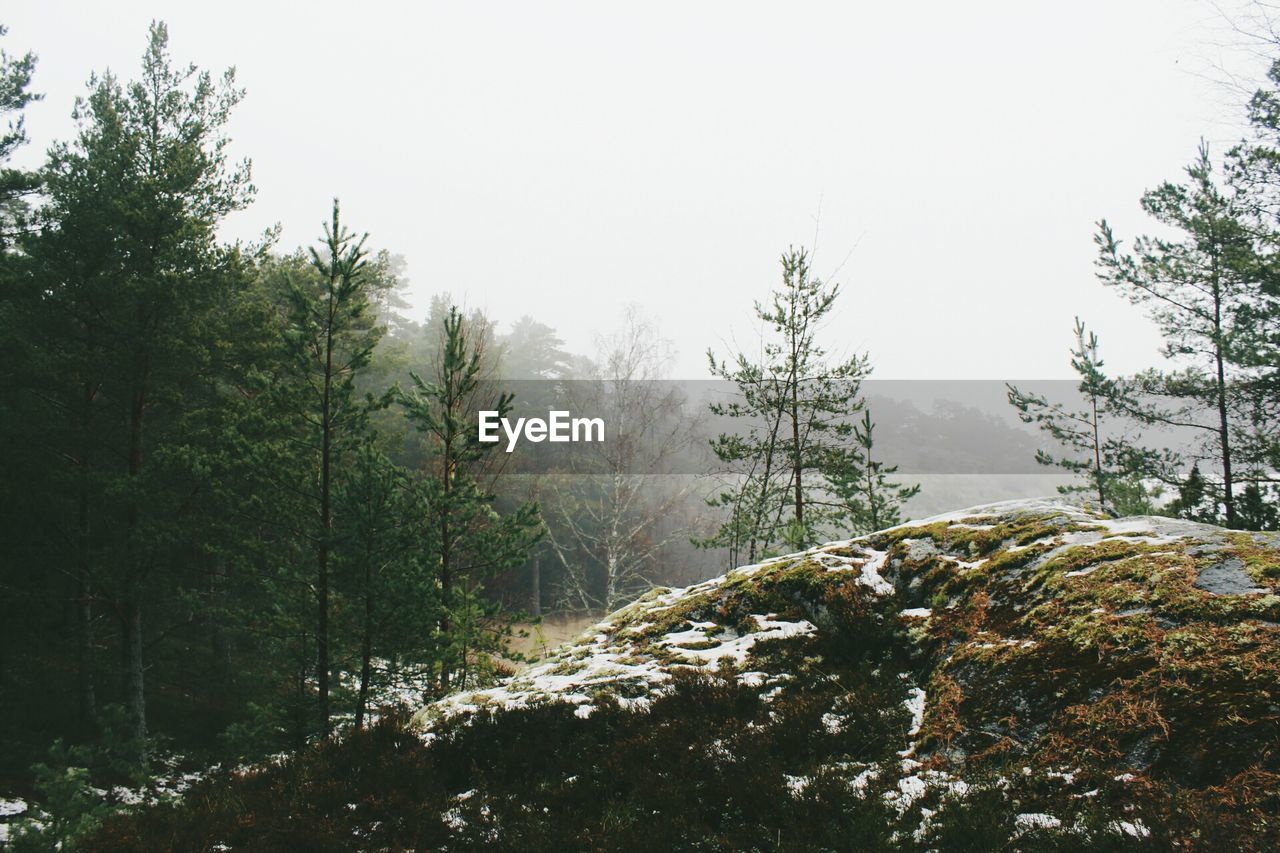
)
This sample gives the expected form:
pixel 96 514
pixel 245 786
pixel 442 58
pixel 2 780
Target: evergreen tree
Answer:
pixel 128 284
pixel 1112 467
pixel 796 406
pixel 1196 288
pixel 467 541
pixel 376 545
pixel 533 350
pixel 861 484
pixel 330 340
pixel 1194 501
pixel 15 96
pixel 1259 507
pixel 1255 169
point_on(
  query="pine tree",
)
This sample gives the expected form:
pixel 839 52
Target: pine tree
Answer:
pixel 533 350
pixel 1196 288
pixel 131 283
pixel 375 545
pixel 861 484
pixel 15 96
pixel 1259 507
pixel 1194 501
pixel 466 540
pixel 1112 467
pixel 331 337
pixel 796 407
pixel 1254 167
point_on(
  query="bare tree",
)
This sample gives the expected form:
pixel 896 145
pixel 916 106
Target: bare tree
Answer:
pixel 607 513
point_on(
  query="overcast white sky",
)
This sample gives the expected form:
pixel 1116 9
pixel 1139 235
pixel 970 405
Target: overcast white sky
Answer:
pixel 563 159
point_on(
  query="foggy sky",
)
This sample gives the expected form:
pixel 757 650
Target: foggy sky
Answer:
pixel 563 159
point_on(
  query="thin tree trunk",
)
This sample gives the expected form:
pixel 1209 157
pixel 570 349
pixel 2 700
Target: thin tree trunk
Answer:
pixel 219 643
pixel 84 619
pixel 366 641
pixel 446 539
pixel 795 429
pixel 1228 498
pixel 134 687
pixel 85 687
pixel 326 524
pixel 446 576
pixel 799 472
pixel 301 714
pixel 88 706
pixel 535 588
pixel 1097 455
pixel 871 495
pixel 770 449
pixel 131 611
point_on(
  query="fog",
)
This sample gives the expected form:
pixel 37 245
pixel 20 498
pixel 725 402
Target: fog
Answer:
pixel 947 162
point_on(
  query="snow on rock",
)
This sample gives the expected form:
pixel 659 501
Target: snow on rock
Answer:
pixel 870 574
pixel 617 662
pixel 915 704
pixel 706 649
pixel 619 654
pixel 1036 820
pixel 1134 828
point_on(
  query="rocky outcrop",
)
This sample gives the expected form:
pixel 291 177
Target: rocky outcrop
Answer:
pixel 1130 667
pixel 1019 676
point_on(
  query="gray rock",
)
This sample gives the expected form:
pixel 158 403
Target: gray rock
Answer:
pixel 1228 578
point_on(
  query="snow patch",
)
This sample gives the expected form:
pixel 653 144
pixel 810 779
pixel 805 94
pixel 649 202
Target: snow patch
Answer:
pixel 1134 828
pixel 1035 820
pixel 870 574
pixel 915 704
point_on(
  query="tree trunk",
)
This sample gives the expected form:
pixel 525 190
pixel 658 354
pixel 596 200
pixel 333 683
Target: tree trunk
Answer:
pixel 134 688
pixel 446 539
pixel 1224 436
pixel 300 729
pixel 1097 455
pixel 1228 498
pixel 535 588
pixel 366 642
pixel 326 524
pixel 799 472
pixel 87 699
pixel 219 642
pixel 446 625
pixel 131 611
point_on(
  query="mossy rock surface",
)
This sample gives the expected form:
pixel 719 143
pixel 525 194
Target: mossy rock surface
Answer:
pixel 1022 675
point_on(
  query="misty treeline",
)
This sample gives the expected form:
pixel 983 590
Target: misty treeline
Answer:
pixel 243 495
pixel 1209 279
